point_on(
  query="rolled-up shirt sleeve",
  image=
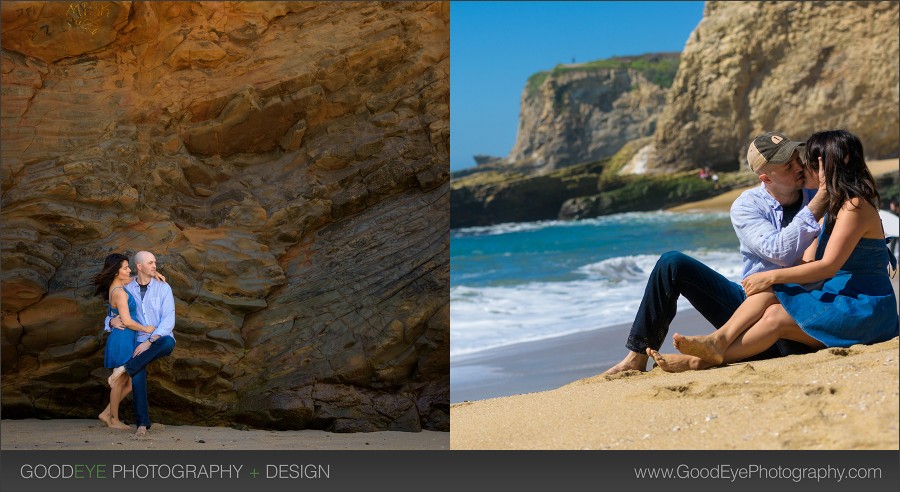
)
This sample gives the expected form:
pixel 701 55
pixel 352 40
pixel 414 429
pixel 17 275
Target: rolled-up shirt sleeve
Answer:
pixel 783 247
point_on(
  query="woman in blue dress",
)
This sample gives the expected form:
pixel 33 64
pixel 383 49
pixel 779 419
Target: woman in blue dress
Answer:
pixel 840 296
pixel 120 344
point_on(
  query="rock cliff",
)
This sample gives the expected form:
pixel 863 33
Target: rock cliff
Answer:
pixel 798 67
pixel 287 162
pixel 586 112
pixel 748 67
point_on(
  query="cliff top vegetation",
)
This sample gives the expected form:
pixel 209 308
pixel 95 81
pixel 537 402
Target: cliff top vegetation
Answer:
pixel 659 68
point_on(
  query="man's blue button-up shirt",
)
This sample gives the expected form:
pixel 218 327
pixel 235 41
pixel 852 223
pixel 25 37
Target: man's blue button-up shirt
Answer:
pixel 765 245
pixel 157 308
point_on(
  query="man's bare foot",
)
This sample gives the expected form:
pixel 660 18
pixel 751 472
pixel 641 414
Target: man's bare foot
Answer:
pixel 678 362
pixel 115 423
pixel 704 347
pixel 141 432
pixel 632 362
pixel 115 375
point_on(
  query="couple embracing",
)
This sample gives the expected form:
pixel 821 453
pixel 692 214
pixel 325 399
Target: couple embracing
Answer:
pixel 140 320
pixel 815 265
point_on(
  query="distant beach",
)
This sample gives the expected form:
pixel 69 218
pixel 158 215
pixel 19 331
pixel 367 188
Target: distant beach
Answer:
pixel 86 434
pixel 722 203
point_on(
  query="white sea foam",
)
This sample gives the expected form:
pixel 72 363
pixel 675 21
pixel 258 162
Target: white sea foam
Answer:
pixel 605 294
pixel 630 218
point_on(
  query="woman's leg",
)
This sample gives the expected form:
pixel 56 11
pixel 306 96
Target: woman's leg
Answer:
pixel 116 393
pixel 775 323
pixel 712 347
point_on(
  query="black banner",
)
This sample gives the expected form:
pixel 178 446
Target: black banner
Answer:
pixel 434 471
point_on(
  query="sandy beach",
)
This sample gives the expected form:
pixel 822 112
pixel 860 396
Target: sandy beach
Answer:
pixel 84 434
pixel 831 399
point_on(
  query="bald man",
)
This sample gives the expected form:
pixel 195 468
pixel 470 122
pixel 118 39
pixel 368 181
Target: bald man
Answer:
pixel 156 307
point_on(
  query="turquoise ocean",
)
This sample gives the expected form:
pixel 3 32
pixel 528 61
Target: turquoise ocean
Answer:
pixel 522 282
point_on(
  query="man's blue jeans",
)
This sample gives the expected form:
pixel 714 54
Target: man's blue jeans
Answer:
pixel 136 368
pixel 676 274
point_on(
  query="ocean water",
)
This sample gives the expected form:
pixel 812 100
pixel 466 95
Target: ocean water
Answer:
pixel 513 283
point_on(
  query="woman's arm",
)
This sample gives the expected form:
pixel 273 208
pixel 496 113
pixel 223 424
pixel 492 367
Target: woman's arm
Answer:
pixel 849 227
pixel 120 301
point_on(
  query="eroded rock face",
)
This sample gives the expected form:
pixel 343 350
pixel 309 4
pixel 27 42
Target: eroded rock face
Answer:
pixel 287 162
pixel 797 67
pixel 584 114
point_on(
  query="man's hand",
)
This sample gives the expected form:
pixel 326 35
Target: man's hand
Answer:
pixel 141 348
pixel 117 323
pixel 756 283
pixel 819 202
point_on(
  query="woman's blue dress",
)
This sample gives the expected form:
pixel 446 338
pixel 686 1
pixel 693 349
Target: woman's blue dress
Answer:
pixel 857 305
pixel 120 343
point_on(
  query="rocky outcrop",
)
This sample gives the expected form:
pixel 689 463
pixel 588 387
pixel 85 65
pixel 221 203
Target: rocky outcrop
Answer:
pixel 586 112
pixel 638 194
pixel 287 162
pixel 495 197
pixel 575 192
pixel 798 67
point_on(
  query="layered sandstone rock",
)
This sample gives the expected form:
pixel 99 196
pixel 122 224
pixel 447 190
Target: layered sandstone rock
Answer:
pixel 288 164
pixel 798 67
pixel 582 113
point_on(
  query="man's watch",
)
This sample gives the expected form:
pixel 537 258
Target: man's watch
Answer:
pixel 152 341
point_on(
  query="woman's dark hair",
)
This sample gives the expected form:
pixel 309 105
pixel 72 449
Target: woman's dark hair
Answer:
pixel 843 181
pixel 104 279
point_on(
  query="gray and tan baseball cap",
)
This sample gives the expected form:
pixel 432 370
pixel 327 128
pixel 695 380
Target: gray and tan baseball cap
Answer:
pixel 771 148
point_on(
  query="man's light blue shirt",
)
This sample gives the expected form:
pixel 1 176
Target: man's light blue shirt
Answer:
pixel 157 308
pixel 765 245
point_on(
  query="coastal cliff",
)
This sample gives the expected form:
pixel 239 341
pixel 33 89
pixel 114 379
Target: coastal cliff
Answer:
pixel 799 67
pixel 814 66
pixel 586 112
pixel 287 162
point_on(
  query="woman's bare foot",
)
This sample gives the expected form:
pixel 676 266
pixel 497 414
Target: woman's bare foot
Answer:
pixel 105 416
pixel 115 423
pixel 678 362
pixel 117 372
pixel 704 347
pixel 632 362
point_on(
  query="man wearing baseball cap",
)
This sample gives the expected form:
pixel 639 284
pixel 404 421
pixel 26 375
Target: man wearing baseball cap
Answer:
pixel 775 223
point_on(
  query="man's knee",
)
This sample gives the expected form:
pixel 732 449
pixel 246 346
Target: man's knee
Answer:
pixel 672 258
pixel 166 345
pixel 671 262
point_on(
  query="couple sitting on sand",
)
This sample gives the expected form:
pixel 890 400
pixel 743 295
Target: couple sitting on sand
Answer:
pixel 140 319
pixel 815 265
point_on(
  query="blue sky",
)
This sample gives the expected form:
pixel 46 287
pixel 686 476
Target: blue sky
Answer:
pixel 496 46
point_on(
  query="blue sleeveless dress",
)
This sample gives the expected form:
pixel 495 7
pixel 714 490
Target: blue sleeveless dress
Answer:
pixel 120 343
pixel 858 305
